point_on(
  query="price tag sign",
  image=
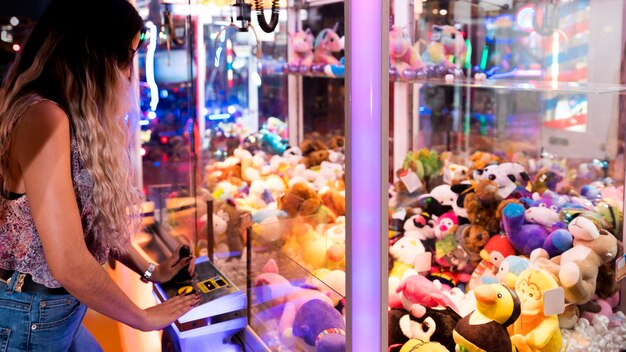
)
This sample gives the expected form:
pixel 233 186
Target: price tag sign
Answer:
pixel 410 180
pixel 554 301
pixel 445 245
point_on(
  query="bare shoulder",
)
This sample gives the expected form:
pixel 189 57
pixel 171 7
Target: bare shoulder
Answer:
pixel 45 116
pixel 42 123
pixel 43 130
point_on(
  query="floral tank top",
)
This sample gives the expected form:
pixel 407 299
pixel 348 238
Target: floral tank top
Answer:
pixel 20 246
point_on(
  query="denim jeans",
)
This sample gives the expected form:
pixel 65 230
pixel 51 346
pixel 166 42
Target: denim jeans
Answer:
pixel 42 322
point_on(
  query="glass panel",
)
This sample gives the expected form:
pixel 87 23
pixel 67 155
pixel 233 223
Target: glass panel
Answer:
pixel 501 111
pixel 289 268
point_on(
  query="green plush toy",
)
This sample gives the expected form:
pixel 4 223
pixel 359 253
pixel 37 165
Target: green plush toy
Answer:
pixel 425 163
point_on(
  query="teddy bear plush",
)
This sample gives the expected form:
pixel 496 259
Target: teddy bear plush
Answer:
pixel 482 206
pixel 479 160
pixel 483 211
pixel 234 235
pixel 314 151
pixel 337 143
pixel 301 200
pixel 545 180
pixel 473 239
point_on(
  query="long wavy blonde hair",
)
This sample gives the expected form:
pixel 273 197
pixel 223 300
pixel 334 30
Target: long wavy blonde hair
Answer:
pixel 75 56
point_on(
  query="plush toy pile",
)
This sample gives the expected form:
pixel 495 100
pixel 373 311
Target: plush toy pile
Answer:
pixel 518 256
pixel 443 55
pixel 316 55
pixel 296 198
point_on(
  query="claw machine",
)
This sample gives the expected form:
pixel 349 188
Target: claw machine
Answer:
pixel 239 156
pixel 500 111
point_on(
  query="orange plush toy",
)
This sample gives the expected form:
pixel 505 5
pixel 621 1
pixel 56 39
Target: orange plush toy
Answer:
pixel 334 199
pixel 534 331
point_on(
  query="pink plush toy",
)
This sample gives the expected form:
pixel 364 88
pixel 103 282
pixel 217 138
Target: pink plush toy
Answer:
pixel 326 43
pixel 446 225
pixel 402 55
pixel 606 309
pixel 273 288
pixel 416 292
pixel 302 46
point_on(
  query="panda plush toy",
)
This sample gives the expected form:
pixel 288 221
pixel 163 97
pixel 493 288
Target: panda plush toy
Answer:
pixel 508 176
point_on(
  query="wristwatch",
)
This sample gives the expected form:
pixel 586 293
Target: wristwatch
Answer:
pixel 146 276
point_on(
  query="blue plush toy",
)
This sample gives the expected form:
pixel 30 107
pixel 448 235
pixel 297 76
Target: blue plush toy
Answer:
pixel 510 268
pixel 276 143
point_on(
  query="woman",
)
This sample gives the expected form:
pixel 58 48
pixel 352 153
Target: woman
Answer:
pixel 67 201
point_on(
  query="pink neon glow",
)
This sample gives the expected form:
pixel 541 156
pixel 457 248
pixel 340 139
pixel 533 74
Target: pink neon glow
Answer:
pixel 366 174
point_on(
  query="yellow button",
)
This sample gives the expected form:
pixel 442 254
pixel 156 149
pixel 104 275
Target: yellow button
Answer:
pixel 185 290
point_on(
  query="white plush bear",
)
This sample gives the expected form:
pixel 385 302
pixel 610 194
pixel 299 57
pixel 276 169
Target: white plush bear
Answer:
pixel 405 252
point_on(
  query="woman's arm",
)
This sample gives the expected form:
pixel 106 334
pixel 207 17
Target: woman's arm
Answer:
pixel 41 147
pixel 164 271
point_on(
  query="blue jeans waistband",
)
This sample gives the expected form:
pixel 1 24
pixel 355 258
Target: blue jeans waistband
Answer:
pixel 21 282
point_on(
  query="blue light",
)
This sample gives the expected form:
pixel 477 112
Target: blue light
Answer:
pixel 219 117
pixel 231 109
pixel 218 54
pixel 154 90
pixel 164 93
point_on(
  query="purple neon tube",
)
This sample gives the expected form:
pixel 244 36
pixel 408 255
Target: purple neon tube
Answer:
pixel 366 173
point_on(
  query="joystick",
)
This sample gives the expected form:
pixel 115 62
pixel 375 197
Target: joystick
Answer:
pixel 183 274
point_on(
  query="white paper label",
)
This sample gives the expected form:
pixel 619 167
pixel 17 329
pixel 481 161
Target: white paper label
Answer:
pixel 411 181
pixel 554 301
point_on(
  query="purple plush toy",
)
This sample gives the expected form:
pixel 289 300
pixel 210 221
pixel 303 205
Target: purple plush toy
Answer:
pixel 525 236
pixel 319 324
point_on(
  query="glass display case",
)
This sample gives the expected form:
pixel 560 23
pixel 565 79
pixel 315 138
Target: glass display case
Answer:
pixel 321 189
pixel 243 159
pixel 499 112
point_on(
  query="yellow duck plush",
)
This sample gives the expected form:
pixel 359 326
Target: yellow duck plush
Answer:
pixel 414 345
pixel 534 331
pixel 484 330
